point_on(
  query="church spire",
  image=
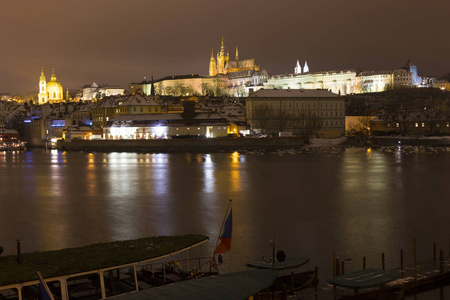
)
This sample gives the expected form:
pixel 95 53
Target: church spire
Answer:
pixel 43 95
pixel 213 64
pixel 306 68
pixel 53 78
pixel 237 54
pixel 298 68
pixel 42 74
pixel 152 89
pixel 222 49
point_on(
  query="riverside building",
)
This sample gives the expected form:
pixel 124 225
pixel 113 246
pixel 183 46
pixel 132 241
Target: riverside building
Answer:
pixel 302 112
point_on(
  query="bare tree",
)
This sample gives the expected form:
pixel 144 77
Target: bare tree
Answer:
pixel 263 118
pixel 435 109
pixel 399 108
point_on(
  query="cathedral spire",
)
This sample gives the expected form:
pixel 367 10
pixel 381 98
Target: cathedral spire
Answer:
pixel 212 53
pixel 222 49
pixel 237 54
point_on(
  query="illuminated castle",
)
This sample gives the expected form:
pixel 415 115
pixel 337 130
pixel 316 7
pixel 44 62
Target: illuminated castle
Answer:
pixel 51 91
pixel 223 65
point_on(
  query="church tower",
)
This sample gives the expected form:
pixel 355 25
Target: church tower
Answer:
pixel 222 60
pixel 43 96
pixel 298 68
pixel 306 68
pixel 212 65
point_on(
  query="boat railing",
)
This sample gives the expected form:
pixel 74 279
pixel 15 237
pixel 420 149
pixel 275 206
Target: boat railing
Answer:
pixel 108 282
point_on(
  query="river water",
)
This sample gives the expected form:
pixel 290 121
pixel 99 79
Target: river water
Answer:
pixel 354 202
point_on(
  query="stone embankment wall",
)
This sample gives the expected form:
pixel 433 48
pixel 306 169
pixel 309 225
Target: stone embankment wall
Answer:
pixel 183 145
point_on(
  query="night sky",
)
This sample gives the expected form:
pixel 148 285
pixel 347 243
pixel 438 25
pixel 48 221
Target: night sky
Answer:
pixel 117 42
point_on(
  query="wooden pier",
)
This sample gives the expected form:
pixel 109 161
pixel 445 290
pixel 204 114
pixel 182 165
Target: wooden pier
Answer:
pixel 410 280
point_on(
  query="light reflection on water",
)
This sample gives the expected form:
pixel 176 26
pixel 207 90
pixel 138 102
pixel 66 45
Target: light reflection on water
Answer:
pixel 354 202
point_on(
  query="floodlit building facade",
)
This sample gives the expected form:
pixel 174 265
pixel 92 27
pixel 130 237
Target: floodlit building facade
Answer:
pixel 338 82
pixel 163 126
pixel 343 82
pixel 95 91
pixel 110 107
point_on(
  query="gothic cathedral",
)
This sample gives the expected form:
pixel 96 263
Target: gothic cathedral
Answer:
pixel 223 65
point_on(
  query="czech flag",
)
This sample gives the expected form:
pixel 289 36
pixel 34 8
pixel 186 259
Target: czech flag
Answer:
pixel 224 243
pixel 44 291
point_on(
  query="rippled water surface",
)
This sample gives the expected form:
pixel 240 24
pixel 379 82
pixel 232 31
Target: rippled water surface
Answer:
pixel 353 202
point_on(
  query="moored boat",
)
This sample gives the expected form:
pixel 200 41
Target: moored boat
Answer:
pixel 288 281
pixel 103 270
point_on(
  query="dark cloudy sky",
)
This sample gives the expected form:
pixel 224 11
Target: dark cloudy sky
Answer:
pixel 121 41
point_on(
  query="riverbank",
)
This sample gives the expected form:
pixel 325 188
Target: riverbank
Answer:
pixel 353 141
pixel 244 144
pixel 183 145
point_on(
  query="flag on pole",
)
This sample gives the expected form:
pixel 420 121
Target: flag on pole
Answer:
pixel 44 291
pixel 224 243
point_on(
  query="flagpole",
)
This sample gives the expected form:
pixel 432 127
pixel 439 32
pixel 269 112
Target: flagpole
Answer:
pixel 221 228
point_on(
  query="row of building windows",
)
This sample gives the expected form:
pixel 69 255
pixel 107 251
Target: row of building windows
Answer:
pixel 417 124
pixel 177 128
pixel 100 119
pixel 149 109
pixel 332 123
pixel 286 104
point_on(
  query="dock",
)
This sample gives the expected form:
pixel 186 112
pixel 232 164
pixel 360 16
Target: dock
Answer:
pixel 407 280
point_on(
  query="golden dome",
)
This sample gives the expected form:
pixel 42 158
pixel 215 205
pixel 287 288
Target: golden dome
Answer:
pixel 53 84
pixel 54 89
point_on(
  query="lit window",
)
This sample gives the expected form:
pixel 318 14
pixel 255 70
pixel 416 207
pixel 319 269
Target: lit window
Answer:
pixel 423 124
pixel 417 124
pixel 198 128
pixel 397 125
